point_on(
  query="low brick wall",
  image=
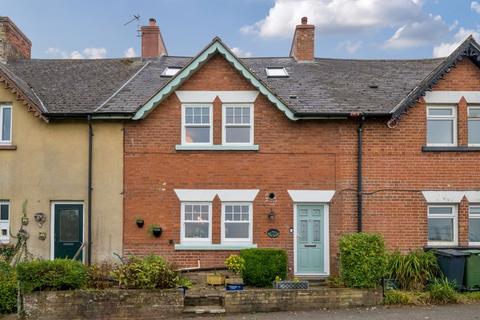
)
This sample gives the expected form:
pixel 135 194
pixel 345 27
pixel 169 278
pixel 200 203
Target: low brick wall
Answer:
pixel 266 300
pixel 106 304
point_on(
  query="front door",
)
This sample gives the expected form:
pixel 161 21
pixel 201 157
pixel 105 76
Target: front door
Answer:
pixel 68 235
pixel 310 239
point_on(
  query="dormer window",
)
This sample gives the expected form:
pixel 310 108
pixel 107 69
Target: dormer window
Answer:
pixel 5 124
pixel 276 72
pixel 170 71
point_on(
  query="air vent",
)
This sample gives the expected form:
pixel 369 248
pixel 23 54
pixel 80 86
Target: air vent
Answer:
pixel 276 72
pixel 170 71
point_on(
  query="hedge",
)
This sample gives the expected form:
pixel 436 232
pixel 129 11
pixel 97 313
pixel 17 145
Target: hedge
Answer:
pixel 263 265
pixel 58 274
pixel 8 289
pixel 362 260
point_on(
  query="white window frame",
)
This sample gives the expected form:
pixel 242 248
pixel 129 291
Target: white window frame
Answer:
pixel 453 216
pixel 2 107
pixel 468 121
pixel 5 224
pixel 238 241
pixel 184 125
pixel 195 241
pixel 473 216
pixel 453 117
pixel 225 125
pixel 270 75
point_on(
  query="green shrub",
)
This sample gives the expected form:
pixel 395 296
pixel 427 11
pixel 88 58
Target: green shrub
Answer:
pixel 362 260
pixel 151 272
pixel 99 276
pixel 235 264
pixel 397 297
pixel 8 289
pixel 6 253
pixel 442 291
pixel 58 274
pixel 263 265
pixel 413 270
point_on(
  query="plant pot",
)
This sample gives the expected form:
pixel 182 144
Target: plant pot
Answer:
pixel 140 223
pixel 290 284
pixel 215 279
pixel 234 280
pixel 391 284
pixel 157 232
pixel 234 287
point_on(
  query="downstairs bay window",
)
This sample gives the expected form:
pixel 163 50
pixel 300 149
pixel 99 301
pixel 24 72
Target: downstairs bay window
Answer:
pixel 442 225
pixel 236 223
pixel 196 224
pixel 474 225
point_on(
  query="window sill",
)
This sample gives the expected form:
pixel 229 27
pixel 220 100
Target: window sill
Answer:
pixel 450 149
pixel 212 247
pixel 8 147
pixel 180 147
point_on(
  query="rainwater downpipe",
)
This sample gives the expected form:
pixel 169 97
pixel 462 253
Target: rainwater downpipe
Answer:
pixel 359 175
pixel 89 194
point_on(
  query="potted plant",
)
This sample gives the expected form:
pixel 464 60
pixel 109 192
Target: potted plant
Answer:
pixel 140 222
pixel 289 284
pixel 236 265
pixel 155 230
pixel 215 279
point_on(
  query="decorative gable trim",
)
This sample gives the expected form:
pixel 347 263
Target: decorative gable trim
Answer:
pixel 468 49
pixel 224 96
pixel 216 46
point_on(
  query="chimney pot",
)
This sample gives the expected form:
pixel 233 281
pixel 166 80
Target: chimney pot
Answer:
pixel 303 44
pixel 152 41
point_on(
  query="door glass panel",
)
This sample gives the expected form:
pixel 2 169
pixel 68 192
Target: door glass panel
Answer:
pixel 316 230
pixel 303 230
pixel 69 226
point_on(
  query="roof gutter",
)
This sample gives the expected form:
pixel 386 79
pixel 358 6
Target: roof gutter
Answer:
pixel 94 116
pixel 340 115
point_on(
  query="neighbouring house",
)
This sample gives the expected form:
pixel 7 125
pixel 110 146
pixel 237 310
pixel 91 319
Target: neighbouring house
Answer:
pixel 224 153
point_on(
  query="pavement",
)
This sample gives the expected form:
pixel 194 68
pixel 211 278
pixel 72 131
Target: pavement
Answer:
pixel 447 312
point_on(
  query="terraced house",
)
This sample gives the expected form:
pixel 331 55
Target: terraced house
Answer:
pixel 221 153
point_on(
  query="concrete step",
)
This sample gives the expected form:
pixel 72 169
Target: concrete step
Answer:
pixel 203 310
pixel 203 300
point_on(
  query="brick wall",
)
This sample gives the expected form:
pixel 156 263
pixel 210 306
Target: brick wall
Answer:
pixel 314 154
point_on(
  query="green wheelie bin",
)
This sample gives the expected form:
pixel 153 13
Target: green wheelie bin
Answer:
pixel 472 270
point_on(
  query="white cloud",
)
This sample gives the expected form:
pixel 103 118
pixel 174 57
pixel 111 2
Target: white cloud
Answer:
pixel 445 48
pixel 87 53
pixel 475 6
pixel 239 52
pixel 335 16
pixel 130 53
pixel 350 47
pixel 417 34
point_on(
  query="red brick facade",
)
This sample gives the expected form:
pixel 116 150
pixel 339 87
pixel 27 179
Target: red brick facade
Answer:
pixel 305 154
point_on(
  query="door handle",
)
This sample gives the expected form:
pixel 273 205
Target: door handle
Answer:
pixel 310 246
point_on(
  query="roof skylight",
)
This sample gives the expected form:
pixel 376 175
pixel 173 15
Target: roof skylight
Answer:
pixel 170 71
pixel 276 72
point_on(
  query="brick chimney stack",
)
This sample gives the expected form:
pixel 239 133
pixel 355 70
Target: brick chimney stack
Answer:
pixel 13 43
pixel 303 44
pixel 152 41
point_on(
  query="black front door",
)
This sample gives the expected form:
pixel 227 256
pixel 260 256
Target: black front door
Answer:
pixel 68 235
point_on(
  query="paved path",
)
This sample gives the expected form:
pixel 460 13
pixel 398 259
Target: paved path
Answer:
pixel 449 312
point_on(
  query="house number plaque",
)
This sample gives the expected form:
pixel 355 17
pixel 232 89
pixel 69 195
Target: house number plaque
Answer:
pixel 273 233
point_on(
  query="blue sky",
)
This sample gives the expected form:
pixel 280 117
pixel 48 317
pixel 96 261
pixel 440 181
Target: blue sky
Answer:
pixel 345 28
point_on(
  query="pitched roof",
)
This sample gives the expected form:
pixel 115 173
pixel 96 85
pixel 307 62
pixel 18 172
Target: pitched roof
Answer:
pixel 324 87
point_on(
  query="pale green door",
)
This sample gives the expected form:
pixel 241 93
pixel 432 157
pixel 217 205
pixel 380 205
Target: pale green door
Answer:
pixel 310 239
